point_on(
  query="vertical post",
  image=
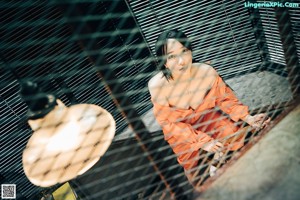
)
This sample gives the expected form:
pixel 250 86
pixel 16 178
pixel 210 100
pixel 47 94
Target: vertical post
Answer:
pixel 255 20
pixel 289 49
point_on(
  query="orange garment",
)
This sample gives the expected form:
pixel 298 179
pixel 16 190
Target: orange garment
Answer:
pixel 187 130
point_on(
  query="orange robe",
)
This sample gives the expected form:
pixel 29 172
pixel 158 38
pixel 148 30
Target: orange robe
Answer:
pixel 187 130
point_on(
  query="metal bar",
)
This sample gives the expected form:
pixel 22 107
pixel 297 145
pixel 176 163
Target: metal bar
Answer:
pixel 289 49
pixel 120 98
pixel 258 30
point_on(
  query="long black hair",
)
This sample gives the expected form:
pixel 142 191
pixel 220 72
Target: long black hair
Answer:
pixel 161 48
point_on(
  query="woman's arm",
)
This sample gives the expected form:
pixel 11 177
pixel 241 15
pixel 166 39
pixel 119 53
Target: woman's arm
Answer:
pixel 230 104
pixel 182 137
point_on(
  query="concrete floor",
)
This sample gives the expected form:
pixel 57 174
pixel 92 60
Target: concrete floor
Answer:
pixel 270 170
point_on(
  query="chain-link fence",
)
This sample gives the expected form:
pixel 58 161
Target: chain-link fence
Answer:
pixel 103 53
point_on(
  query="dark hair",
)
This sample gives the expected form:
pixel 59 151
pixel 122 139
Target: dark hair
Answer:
pixel 161 48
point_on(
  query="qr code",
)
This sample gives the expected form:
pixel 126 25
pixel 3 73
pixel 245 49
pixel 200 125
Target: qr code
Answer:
pixel 8 191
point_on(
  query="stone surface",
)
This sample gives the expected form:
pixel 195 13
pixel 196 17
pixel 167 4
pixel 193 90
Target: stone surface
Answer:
pixel 260 89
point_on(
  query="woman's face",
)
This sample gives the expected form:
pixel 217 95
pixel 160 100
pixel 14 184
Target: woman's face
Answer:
pixel 179 58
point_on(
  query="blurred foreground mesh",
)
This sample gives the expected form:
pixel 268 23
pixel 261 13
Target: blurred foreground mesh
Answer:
pixel 102 52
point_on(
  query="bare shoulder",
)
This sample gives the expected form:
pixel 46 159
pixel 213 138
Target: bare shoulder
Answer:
pixel 156 81
pixel 156 86
pixel 205 70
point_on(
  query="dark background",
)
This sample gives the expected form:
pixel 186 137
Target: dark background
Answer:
pixel 101 52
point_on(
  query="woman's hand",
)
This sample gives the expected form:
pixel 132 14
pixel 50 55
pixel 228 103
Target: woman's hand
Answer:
pixel 258 121
pixel 213 146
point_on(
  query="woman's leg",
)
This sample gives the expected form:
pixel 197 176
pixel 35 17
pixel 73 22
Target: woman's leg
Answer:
pixel 219 126
pixel 222 128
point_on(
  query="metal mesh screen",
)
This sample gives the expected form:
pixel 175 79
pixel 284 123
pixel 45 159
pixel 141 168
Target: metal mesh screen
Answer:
pixel 102 53
pixel 222 34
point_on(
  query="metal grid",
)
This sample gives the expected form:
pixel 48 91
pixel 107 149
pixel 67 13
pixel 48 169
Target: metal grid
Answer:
pixel 101 52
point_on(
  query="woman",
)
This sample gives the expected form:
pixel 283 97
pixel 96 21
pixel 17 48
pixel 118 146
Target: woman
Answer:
pixel 186 97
